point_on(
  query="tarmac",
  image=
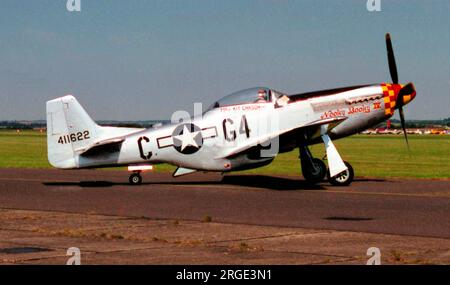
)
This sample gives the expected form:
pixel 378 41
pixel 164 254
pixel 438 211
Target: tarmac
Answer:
pixel 204 218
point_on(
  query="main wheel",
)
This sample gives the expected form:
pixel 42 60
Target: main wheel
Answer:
pixel 344 178
pixel 135 179
pixel 315 174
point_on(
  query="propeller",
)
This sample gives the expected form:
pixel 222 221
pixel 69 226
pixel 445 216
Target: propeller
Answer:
pixel 406 90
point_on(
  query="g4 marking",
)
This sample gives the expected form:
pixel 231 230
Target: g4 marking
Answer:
pixel 231 135
pixel 74 137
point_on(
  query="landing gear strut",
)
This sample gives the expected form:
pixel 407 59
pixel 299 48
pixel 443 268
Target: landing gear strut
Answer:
pixel 314 170
pixel 135 178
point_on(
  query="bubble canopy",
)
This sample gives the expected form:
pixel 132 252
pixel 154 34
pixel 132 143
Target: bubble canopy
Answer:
pixel 246 96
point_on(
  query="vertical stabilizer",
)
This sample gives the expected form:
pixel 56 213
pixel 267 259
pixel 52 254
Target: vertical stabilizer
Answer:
pixel 69 127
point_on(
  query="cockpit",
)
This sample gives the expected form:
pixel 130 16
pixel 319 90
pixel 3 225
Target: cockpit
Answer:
pixel 248 96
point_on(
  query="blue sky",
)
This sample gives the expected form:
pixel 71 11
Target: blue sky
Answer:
pixel 138 60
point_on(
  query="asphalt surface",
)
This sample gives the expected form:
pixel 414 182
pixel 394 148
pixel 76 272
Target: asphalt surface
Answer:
pixel 391 206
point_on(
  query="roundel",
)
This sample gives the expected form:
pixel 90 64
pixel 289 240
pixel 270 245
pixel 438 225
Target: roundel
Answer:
pixel 187 138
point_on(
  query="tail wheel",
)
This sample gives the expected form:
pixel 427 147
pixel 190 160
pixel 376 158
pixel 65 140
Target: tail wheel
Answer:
pixel 317 173
pixel 135 179
pixel 344 178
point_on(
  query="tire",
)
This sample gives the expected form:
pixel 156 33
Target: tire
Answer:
pixel 135 179
pixel 343 179
pixel 313 176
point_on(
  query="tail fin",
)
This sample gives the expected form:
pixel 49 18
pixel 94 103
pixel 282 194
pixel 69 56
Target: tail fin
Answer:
pixel 69 128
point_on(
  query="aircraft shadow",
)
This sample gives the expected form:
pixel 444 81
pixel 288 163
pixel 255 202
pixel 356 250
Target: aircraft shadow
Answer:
pixel 270 182
pixel 255 181
pixel 84 184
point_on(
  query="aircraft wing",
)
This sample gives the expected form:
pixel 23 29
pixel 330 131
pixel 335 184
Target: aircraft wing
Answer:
pixel 253 142
pixel 331 122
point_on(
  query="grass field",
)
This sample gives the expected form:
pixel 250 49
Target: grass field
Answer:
pixel 373 156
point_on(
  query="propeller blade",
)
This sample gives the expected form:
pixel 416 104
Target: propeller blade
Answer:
pixel 402 121
pixel 391 59
pixel 406 90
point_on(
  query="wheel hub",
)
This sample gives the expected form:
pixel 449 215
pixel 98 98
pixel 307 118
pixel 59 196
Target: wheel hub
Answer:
pixel 343 176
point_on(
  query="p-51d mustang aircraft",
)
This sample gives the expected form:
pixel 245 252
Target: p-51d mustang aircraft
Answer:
pixel 244 130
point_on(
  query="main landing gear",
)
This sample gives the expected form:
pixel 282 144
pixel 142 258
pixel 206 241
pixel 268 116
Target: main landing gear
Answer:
pixel 135 178
pixel 314 170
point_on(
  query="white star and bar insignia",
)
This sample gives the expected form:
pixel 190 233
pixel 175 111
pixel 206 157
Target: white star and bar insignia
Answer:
pixel 187 138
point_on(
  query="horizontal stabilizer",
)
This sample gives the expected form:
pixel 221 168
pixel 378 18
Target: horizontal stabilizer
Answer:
pixel 101 144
